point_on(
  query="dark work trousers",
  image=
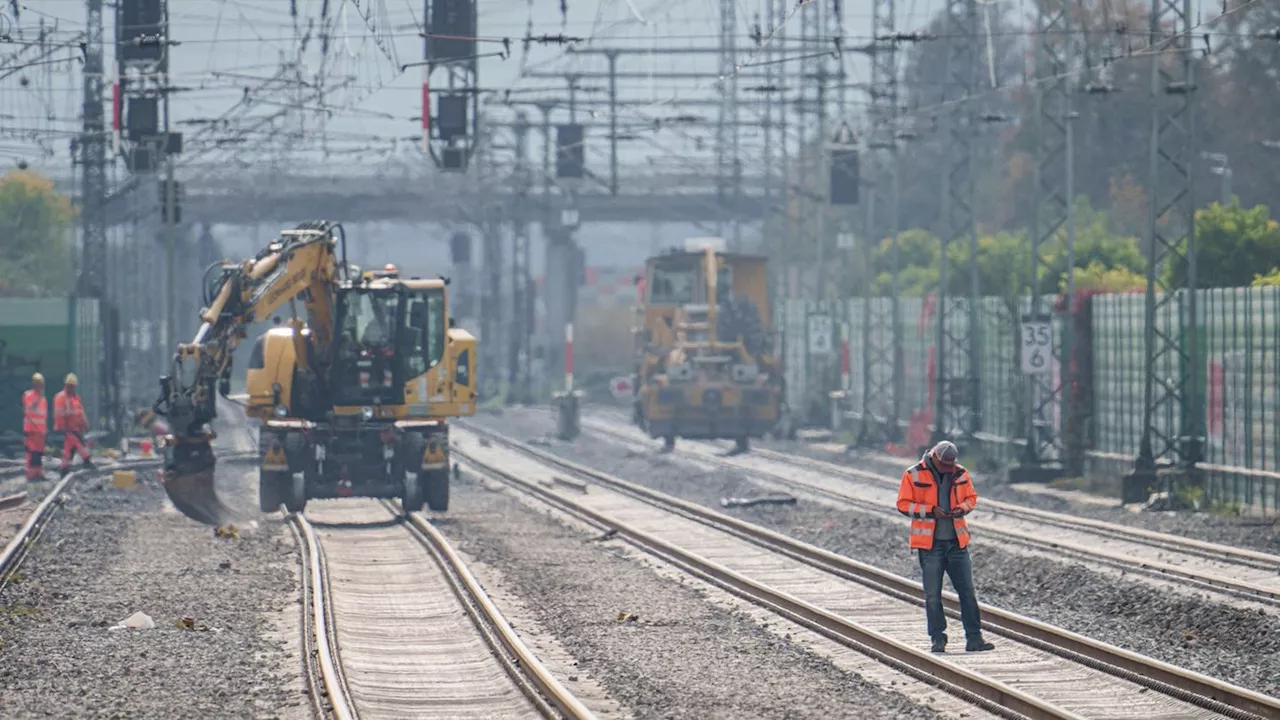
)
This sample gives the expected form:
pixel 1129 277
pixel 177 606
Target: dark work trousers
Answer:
pixel 947 556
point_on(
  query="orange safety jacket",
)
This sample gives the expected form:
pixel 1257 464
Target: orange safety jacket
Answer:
pixel 918 496
pixel 68 413
pixel 35 412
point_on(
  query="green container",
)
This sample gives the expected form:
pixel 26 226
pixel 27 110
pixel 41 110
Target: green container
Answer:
pixel 52 336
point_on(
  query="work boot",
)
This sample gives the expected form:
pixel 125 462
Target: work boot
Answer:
pixel 975 643
pixel 939 644
pixel 64 471
pixel 89 464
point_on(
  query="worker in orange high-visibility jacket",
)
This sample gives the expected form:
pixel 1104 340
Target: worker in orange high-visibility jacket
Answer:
pixel 936 493
pixel 70 420
pixel 35 426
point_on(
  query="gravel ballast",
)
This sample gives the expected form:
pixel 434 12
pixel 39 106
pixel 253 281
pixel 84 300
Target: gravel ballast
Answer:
pixel 110 553
pixel 680 656
pixel 1236 645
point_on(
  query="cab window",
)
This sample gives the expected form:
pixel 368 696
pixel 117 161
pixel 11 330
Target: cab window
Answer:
pixel 257 361
pixel 462 376
pixel 673 285
pixel 423 334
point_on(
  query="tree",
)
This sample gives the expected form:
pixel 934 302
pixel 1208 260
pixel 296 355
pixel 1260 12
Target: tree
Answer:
pixel 35 228
pixel 1271 279
pixel 1232 244
pixel 1100 278
pixel 1101 255
pixel 1004 260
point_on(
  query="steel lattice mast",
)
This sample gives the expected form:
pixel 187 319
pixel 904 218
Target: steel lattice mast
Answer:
pixel 957 402
pixel 881 321
pixel 1052 99
pixel 1173 404
pixel 728 165
pixel 93 161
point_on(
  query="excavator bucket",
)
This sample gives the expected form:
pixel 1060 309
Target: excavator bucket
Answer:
pixel 189 483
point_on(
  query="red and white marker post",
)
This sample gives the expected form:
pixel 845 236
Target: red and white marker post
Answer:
pixel 844 358
pixel 568 357
pixel 567 424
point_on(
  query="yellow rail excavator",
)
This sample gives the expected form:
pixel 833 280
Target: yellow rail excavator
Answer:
pixel 353 401
pixel 704 347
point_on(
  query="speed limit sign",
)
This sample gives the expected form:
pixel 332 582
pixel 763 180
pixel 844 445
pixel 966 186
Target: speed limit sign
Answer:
pixel 1037 347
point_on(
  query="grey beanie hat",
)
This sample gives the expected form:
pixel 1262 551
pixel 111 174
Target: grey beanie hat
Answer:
pixel 945 453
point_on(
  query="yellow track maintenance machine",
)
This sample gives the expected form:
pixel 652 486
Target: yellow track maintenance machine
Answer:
pixel 353 401
pixel 705 366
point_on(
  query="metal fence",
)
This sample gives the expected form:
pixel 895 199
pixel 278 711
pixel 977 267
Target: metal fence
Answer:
pixel 1100 417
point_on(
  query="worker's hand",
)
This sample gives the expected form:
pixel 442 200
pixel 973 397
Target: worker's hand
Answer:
pixel 940 513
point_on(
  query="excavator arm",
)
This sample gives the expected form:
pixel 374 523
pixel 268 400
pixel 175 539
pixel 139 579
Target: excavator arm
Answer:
pixel 300 265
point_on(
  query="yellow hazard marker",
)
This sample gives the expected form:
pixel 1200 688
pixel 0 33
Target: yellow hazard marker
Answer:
pixel 124 479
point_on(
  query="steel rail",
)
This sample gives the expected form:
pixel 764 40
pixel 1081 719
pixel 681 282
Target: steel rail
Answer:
pixel 523 666
pixel 16 550
pixel 332 683
pixel 1186 685
pixel 992 695
pixel 13 501
pixel 1208 581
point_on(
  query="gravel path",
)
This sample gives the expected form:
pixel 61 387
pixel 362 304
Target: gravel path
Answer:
pixel 110 553
pixel 682 657
pixel 1240 646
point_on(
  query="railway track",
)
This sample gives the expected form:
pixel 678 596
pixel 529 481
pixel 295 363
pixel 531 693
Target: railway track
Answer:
pixel 398 627
pixel 18 546
pixel 1038 671
pixel 1239 572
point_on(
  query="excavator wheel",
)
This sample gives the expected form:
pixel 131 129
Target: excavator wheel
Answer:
pixel 189 482
pixel 270 489
pixel 435 486
pixel 411 500
pixel 295 495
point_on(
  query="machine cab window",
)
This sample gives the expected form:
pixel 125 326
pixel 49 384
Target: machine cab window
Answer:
pixel 680 280
pixel 673 284
pixel 423 335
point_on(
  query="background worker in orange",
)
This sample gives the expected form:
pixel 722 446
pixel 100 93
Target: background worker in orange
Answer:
pixel 35 426
pixel 936 493
pixel 70 420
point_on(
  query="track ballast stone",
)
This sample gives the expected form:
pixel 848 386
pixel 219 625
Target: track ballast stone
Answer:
pixel 110 553
pixel 1233 644
pixel 680 656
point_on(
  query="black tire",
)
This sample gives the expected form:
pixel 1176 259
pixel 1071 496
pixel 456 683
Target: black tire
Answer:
pixel 411 497
pixel 270 490
pixel 742 444
pixel 295 492
pixel 669 443
pixel 435 489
